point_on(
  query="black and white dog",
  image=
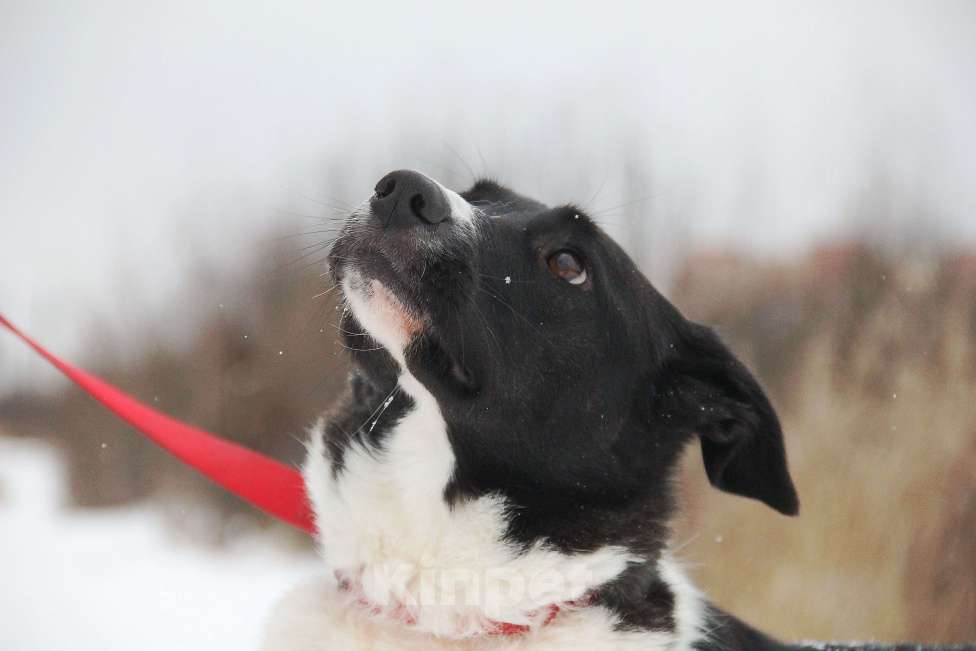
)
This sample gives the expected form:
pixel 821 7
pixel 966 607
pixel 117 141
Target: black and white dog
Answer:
pixel 499 475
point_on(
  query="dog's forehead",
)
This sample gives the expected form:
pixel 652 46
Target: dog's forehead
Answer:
pixel 497 201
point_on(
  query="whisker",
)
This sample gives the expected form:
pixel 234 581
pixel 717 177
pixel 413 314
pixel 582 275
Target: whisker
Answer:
pixel 333 204
pixel 326 292
pixel 519 315
pixel 319 248
pixel 344 331
pixel 488 330
pixel 599 190
pixel 358 350
pixel 626 204
pixel 474 177
pixel 290 236
pixel 326 242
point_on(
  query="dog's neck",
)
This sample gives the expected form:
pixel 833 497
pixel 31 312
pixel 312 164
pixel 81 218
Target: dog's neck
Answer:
pixel 402 553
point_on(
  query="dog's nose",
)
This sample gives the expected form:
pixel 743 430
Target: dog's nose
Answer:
pixel 405 197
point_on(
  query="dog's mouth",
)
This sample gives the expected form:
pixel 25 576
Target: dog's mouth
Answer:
pixel 407 331
pixel 386 312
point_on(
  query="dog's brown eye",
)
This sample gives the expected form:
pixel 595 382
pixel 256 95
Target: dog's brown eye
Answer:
pixel 567 266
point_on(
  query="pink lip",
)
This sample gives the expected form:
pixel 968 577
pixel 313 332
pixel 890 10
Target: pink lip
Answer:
pixel 385 301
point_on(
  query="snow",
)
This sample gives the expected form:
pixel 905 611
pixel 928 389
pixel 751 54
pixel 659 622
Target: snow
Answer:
pixel 117 579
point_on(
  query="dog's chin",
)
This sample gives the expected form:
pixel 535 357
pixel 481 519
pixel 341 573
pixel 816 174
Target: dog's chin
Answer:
pixel 388 318
pixel 406 332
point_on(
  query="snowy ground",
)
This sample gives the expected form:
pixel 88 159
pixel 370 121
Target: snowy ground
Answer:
pixel 116 579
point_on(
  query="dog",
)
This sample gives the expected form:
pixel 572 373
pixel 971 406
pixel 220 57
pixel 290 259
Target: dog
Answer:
pixel 499 475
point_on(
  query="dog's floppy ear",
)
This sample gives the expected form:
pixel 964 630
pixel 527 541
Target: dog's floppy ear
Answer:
pixel 704 388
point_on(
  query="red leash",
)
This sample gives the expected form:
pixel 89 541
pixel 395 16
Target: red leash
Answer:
pixel 273 487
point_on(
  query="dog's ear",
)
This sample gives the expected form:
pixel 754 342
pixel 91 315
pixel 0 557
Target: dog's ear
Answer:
pixel 703 388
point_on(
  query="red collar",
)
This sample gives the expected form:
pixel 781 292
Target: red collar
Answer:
pixel 403 614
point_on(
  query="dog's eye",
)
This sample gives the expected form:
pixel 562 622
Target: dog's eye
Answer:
pixel 567 266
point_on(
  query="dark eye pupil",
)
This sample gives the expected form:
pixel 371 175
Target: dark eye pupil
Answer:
pixel 565 265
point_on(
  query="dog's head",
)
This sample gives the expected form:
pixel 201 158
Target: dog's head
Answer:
pixel 563 376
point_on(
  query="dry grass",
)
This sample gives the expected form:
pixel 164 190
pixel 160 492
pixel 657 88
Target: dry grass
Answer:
pixel 881 420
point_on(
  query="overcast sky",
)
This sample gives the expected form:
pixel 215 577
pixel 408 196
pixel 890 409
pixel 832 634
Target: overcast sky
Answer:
pixel 136 137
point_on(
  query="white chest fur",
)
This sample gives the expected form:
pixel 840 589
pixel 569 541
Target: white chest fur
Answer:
pixel 385 526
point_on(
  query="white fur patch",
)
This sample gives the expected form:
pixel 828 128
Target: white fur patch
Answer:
pixel 689 605
pixel 384 524
pixel 383 316
pixel 462 212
